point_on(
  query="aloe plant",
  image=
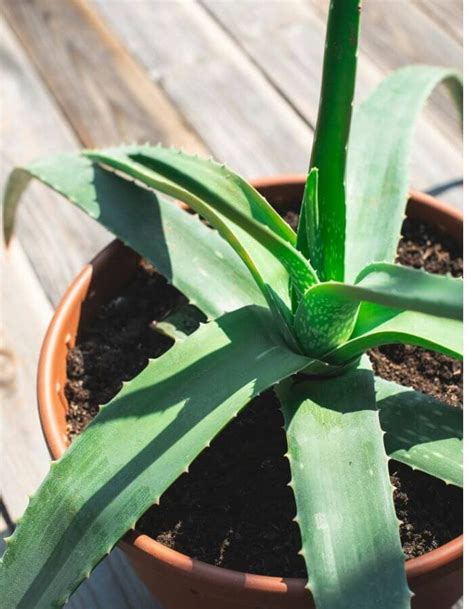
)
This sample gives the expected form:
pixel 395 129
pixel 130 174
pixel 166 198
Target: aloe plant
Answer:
pixel 277 304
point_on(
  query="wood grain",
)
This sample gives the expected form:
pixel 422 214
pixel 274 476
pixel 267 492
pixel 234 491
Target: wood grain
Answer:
pixel 25 316
pixel 242 119
pixel 237 78
pixel 57 238
pixel 103 92
pixel 230 99
pixel 447 13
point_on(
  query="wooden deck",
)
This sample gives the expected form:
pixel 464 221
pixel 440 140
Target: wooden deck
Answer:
pixel 237 79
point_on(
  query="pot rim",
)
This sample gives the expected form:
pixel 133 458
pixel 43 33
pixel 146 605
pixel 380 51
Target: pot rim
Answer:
pixel 49 394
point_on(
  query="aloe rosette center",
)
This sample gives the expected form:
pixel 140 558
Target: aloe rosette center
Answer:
pixel 324 321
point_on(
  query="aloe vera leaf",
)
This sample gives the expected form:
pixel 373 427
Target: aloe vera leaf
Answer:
pixel 421 431
pixel 110 476
pixel 344 499
pixel 332 133
pixel 412 289
pixel 270 269
pixel 326 316
pixel 378 162
pixel 308 220
pixel 234 223
pixel 390 285
pixel 302 237
pixel 201 265
pixel 307 229
pixel 212 181
pixel 217 183
pixel 378 325
pixel 324 319
pixel 180 324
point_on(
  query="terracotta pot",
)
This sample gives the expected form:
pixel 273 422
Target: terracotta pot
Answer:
pixel 175 579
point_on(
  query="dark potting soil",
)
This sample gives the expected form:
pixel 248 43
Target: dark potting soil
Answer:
pixel 234 508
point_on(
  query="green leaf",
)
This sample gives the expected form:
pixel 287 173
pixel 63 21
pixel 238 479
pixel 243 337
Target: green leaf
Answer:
pixel 340 478
pixel 110 476
pixel 242 227
pixel 377 166
pixel 378 325
pixel 201 265
pixel 271 259
pixel 307 228
pixel 391 285
pixel 16 185
pixel 211 181
pixel 402 287
pixel 180 324
pixel 421 431
pixel 308 221
pixel 326 316
pixel 309 198
pixel 324 319
pixel 332 132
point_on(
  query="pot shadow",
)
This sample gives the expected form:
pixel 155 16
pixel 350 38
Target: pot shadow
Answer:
pixel 336 393
pixel 159 230
pixel 440 189
pixel 140 226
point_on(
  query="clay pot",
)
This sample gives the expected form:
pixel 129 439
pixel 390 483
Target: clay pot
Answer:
pixel 176 580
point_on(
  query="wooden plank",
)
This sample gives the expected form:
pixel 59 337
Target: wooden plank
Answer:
pixel 284 40
pixel 293 64
pixel 25 316
pixel 208 78
pixel 447 13
pixel 113 99
pixel 89 602
pixel 242 120
pixel 105 95
pixel 57 238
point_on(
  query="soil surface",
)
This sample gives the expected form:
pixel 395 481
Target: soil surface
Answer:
pixel 424 370
pixel 234 508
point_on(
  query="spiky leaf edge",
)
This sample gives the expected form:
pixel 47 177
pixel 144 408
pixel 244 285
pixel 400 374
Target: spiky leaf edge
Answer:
pixel 220 211
pixel 202 266
pixel 343 494
pixel 109 476
pixel 421 431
